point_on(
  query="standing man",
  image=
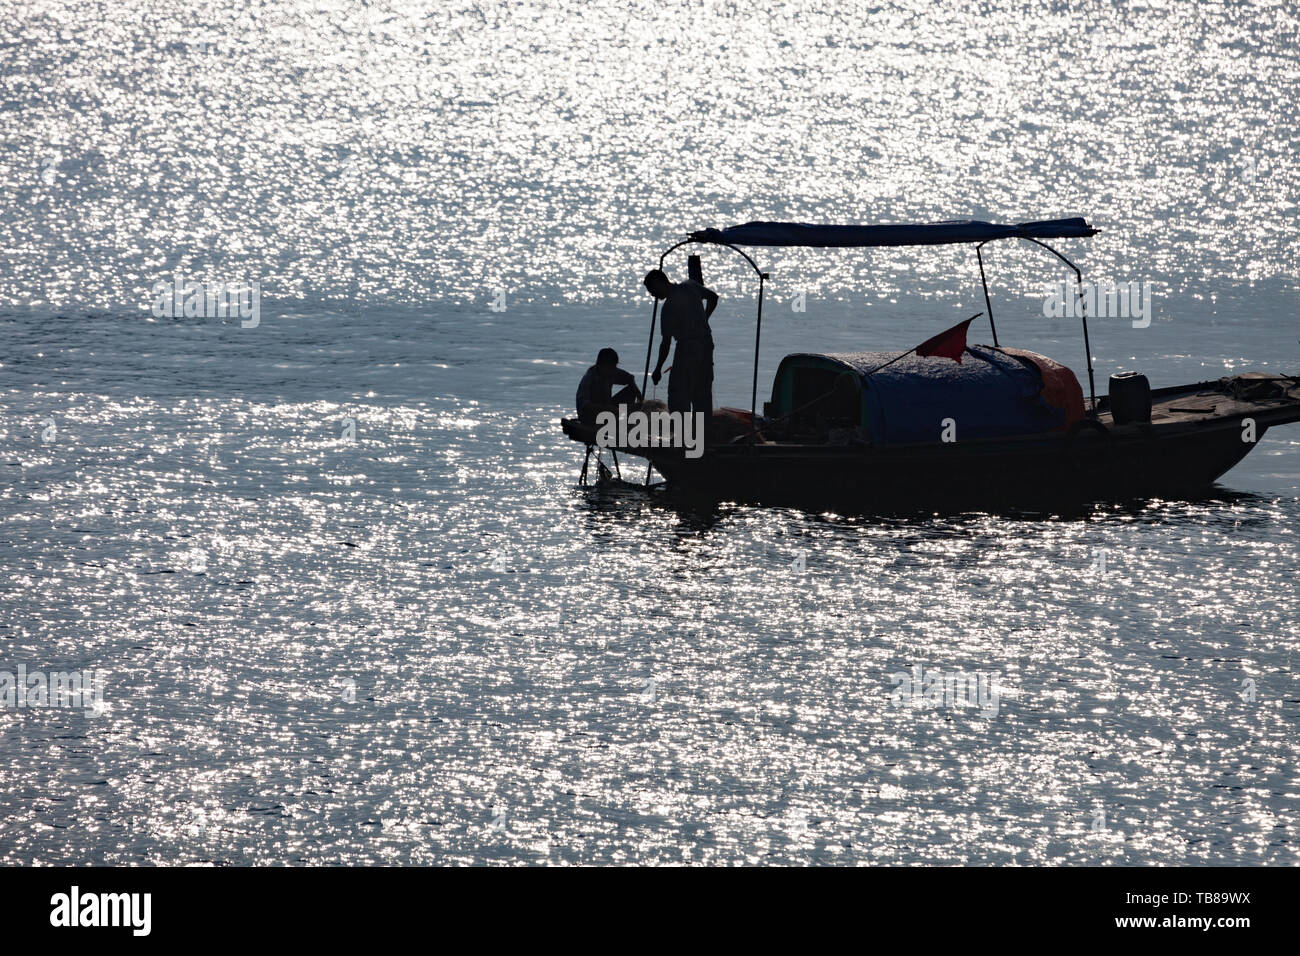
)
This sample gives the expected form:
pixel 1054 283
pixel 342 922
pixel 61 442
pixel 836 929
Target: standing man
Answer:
pixel 686 311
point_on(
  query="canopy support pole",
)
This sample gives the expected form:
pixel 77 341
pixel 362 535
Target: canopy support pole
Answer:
pixel 654 317
pixel 649 349
pixel 758 331
pixel 1078 281
pixel 988 305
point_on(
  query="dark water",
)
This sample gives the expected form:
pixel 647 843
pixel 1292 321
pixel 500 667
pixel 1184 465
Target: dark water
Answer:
pixel 414 640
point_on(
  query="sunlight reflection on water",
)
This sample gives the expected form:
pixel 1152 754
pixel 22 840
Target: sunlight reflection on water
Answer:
pixel 421 643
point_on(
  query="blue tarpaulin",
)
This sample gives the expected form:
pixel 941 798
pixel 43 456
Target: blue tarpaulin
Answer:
pixel 916 234
pixel 989 395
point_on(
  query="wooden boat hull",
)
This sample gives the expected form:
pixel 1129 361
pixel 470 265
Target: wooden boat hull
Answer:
pixel 1197 433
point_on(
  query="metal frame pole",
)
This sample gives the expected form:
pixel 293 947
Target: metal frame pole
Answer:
pixel 988 305
pixel 1083 315
pixel 758 332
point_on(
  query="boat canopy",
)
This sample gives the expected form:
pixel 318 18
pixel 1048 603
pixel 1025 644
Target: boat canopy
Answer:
pixel 914 234
pixel 973 231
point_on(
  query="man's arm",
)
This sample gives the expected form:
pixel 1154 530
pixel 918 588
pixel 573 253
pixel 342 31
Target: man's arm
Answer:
pixel 711 302
pixel 624 377
pixel 665 344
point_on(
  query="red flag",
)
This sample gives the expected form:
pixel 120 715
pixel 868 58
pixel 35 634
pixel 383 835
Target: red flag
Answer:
pixel 950 344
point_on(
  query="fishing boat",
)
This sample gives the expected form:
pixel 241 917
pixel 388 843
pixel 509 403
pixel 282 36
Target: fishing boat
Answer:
pixel 949 425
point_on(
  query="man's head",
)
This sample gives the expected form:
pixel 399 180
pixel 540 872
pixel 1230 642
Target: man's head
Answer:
pixel 607 362
pixel 657 283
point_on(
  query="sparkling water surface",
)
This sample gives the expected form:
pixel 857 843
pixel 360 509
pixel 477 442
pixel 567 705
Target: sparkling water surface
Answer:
pixel 412 639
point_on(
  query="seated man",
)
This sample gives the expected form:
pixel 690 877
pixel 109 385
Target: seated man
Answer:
pixel 594 390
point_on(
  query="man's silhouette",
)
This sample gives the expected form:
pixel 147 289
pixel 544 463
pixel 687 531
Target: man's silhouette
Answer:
pixel 594 390
pixel 686 311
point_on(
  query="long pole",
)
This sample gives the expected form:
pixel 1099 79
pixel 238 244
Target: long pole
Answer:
pixel 758 333
pixel 649 346
pixel 1083 314
pixel 987 304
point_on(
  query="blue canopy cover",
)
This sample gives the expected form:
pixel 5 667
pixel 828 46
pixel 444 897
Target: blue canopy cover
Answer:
pixel 917 234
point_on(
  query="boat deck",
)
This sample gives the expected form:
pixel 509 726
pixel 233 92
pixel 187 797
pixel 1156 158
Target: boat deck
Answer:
pixel 1237 397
